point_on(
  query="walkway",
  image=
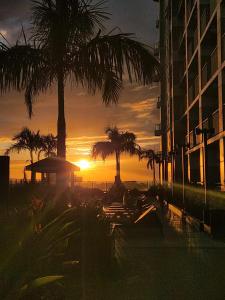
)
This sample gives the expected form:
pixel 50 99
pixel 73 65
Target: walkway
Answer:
pixel 174 262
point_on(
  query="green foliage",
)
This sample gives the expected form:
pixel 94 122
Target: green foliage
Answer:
pixel 70 249
pixel 31 259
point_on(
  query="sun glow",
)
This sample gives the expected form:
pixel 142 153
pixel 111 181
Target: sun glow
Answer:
pixel 83 164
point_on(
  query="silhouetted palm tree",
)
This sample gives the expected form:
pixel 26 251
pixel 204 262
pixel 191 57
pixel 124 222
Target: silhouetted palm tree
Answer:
pixel 119 142
pixel 67 44
pixel 26 140
pixel 151 160
pixel 48 146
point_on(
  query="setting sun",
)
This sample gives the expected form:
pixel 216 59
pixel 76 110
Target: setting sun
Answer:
pixel 83 164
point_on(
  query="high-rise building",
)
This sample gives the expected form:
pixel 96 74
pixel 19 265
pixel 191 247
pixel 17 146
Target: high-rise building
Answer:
pixel 194 35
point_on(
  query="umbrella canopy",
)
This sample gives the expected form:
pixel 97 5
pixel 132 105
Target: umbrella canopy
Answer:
pixel 52 165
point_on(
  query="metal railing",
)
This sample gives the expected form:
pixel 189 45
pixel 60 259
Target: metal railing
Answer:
pixel 101 185
pixel 212 122
pixel 194 139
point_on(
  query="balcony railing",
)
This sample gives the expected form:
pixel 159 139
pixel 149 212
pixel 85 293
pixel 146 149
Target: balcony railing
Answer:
pixel 194 139
pixel 212 122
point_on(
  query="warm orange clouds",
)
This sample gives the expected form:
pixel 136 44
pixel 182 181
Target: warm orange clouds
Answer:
pixel 87 119
pixel 86 116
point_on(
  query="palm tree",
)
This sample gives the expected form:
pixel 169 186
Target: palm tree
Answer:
pixel 26 140
pixel 151 157
pixel 48 146
pixel 119 142
pixel 68 43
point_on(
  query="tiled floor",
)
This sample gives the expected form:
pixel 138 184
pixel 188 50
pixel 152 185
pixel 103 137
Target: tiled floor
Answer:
pixel 172 262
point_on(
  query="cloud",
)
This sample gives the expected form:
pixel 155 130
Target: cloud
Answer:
pixel 86 116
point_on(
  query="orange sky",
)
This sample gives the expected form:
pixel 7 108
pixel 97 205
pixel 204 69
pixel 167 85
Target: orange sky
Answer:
pixel 87 119
pixel 86 116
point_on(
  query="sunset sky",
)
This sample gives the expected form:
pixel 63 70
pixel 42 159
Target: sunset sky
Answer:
pixel 86 116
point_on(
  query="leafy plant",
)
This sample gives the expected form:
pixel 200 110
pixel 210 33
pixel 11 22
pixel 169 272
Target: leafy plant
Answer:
pixel 32 260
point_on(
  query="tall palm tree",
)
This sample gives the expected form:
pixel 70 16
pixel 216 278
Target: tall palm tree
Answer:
pixel 152 158
pixel 26 140
pixel 48 146
pixel 68 43
pixel 119 142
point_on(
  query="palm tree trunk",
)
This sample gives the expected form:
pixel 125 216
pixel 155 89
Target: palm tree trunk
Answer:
pixel 33 174
pixel 39 155
pixel 61 125
pixel 117 178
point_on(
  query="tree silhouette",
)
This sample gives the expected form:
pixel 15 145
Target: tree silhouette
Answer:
pixel 48 146
pixel 69 43
pixel 151 157
pixel 26 140
pixel 119 142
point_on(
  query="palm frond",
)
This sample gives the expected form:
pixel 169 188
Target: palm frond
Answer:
pixel 113 133
pixel 112 54
pixel 149 155
pixel 111 89
pixel 18 65
pixel 68 21
pixel 17 147
pixel 25 140
pixel 103 149
pixel 41 79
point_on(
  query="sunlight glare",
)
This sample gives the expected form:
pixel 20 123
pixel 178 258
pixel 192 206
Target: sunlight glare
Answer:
pixel 83 164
